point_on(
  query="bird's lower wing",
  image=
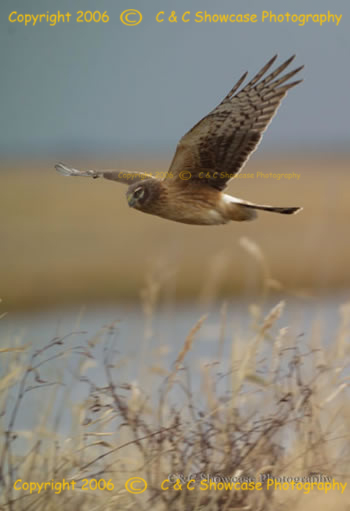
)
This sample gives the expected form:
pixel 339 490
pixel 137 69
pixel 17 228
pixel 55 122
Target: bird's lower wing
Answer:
pixel 121 176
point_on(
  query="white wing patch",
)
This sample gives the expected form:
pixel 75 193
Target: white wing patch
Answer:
pixel 215 216
pixel 228 199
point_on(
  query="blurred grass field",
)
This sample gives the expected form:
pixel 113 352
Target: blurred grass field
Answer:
pixel 267 404
pixel 270 400
pixel 66 240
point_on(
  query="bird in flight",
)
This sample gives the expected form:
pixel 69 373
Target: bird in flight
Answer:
pixel 209 156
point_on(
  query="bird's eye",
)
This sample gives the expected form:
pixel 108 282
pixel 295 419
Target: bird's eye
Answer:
pixel 138 193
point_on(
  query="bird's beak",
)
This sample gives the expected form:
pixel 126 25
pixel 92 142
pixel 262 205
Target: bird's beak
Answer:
pixel 130 199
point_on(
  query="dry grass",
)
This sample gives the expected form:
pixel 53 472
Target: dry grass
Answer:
pixel 66 240
pixel 278 406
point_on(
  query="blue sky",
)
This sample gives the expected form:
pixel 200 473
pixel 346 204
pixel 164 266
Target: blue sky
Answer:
pixel 107 88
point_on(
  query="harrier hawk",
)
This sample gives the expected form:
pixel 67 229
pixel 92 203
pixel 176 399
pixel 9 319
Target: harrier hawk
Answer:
pixel 209 156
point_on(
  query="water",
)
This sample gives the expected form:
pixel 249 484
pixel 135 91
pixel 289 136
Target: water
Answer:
pixel 170 324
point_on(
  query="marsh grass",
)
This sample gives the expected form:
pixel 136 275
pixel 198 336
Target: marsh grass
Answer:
pixel 76 241
pixel 279 406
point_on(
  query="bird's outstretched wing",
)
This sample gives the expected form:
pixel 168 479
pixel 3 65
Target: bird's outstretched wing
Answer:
pixel 218 146
pixel 121 176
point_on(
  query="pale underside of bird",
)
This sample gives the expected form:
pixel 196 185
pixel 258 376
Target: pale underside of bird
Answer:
pixel 208 156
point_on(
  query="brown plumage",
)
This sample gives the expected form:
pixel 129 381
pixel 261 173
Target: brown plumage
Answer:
pixel 209 156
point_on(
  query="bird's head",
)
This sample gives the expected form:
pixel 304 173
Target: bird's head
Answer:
pixel 140 194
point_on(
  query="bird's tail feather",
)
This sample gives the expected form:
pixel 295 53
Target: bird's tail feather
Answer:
pixel 241 210
pixel 274 209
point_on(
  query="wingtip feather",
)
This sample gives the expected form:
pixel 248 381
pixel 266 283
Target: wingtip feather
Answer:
pixel 63 169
